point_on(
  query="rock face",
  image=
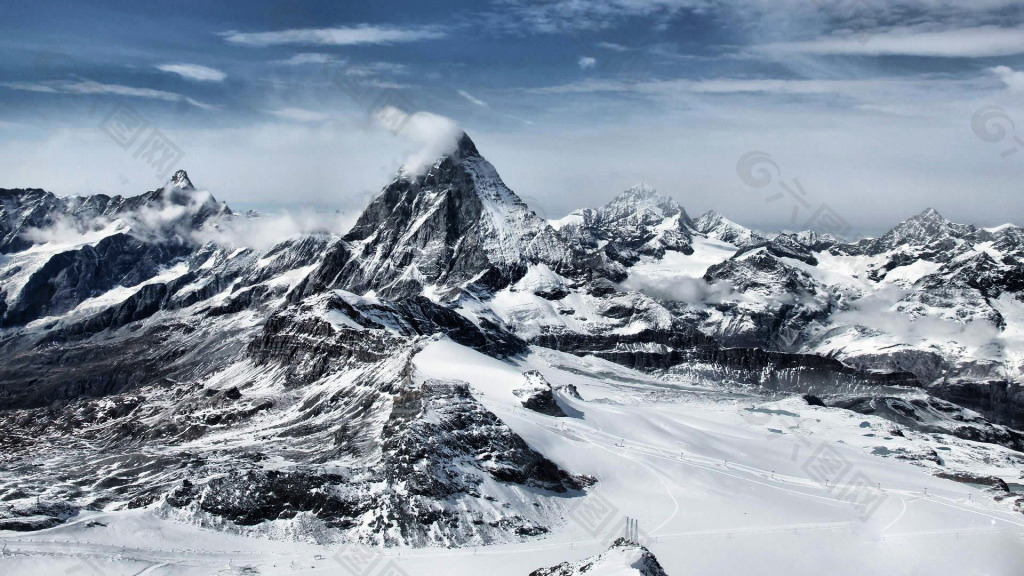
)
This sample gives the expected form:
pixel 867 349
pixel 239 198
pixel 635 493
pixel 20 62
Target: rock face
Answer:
pixel 625 558
pixel 144 365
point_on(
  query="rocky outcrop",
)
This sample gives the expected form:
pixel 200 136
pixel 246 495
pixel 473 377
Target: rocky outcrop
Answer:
pixel 624 557
pixel 537 394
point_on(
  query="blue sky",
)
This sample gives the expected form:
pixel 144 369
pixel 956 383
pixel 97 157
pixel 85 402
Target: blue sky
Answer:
pixel 876 109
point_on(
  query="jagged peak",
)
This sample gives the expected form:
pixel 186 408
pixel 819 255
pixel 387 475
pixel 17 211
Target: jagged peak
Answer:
pixel 930 214
pixel 712 219
pixel 641 190
pixel 929 220
pixel 181 181
pixel 466 147
pixel 640 196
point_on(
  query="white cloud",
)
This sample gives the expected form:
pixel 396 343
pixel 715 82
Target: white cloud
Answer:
pixel 561 16
pixel 385 85
pixel 299 115
pixel 434 135
pixel 472 99
pixel 977 42
pixel 880 311
pixel 339 36
pixel 88 87
pixel 680 288
pixel 586 62
pixel 868 88
pixel 64 230
pixel 266 231
pixel 194 72
pixel 1013 79
pixel 308 58
pixel 571 15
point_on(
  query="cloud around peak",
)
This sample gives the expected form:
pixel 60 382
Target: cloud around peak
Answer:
pixel 432 135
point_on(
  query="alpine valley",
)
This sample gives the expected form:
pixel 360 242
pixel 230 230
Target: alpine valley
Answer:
pixel 456 385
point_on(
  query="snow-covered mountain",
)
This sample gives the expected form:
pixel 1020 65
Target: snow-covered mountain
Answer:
pixel 428 377
pixel 715 226
pixel 455 227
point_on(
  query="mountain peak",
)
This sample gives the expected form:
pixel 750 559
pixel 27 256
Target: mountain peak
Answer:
pixel 466 147
pixel 180 180
pixel 716 226
pixel 458 223
pixel 931 214
pixel 641 197
pixel 925 228
pixel 640 190
pixel 711 220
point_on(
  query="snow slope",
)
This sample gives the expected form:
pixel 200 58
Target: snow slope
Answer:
pixel 719 483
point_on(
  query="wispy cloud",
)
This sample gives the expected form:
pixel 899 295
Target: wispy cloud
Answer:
pixel 375 68
pixel 308 58
pixel 385 84
pixel 338 36
pixel 570 16
pixel 299 115
pixel 473 99
pixel 194 72
pixel 573 15
pixel 977 42
pixel 586 62
pixel 723 86
pixel 89 87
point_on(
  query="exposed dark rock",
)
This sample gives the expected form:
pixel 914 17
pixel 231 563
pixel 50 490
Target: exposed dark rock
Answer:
pixel 537 395
pixel 813 400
